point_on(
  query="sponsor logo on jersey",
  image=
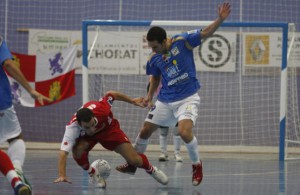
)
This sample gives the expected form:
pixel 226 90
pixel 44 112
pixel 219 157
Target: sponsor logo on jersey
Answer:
pixel 175 51
pixel 66 143
pixel 179 79
pixel 173 70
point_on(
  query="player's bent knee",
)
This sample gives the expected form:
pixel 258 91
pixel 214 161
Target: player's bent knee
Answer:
pixel 79 149
pixel 186 135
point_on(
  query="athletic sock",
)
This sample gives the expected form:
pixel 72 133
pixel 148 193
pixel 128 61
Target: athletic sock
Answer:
pixel 7 168
pixel 177 144
pixel 140 145
pixel 146 164
pixel 192 148
pixel 16 152
pixel 163 143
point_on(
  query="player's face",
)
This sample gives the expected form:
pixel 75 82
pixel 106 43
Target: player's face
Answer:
pixel 90 127
pixel 158 47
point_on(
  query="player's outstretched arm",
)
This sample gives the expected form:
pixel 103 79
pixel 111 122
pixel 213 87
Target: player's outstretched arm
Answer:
pixel 138 101
pixel 223 12
pixel 62 164
pixel 11 67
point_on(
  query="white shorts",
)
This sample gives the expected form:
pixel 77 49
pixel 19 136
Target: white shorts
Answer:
pixel 9 124
pixel 168 114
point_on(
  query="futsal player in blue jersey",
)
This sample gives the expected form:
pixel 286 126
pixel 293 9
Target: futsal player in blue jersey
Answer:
pixel 10 129
pixel 172 63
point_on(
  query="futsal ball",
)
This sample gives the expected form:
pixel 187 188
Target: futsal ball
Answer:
pixel 103 167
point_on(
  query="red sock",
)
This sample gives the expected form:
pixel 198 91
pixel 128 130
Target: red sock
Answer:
pixel 6 166
pixel 5 163
pixel 83 161
pixel 146 164
pixel 14 181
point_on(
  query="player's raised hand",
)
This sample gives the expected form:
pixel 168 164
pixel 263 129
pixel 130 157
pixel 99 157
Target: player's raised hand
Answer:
pixel 62 179
pixel 41 98
pixel 224 10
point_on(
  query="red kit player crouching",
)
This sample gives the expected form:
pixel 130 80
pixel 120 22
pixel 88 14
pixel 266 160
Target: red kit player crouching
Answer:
pixel 94 123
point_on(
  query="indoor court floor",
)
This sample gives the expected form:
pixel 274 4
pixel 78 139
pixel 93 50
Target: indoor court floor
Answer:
pixel 223 175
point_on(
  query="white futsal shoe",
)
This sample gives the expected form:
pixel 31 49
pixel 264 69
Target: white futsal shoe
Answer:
pixel 163 157
pixel 178 157
pixel 159 176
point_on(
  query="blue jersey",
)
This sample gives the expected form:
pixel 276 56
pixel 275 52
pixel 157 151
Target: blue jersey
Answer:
pixel 177 68
pixel 5 92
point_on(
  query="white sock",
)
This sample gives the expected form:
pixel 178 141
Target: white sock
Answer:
pixel 192 148
pixel 177 144
pixel 163 143
pixel 140 145
pixel 16 152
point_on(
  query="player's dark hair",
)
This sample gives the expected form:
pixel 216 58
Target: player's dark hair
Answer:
pixel 156 33
pixel 84 114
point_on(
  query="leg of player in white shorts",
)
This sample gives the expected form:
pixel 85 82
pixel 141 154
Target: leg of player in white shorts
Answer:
pixel 10 131
pixel 167 114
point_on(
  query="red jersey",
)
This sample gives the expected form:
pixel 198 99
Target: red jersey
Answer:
pixel 110 135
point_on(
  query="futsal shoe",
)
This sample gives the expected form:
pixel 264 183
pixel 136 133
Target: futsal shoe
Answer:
pixel 23 178
pixel 163 157
pixel 159 176
pixel 96 180
pixel 22 189
pixel 126 168
pixel 197 174
pixel 178 158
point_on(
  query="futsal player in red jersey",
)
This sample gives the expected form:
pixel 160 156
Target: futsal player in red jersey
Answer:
pixel 94 123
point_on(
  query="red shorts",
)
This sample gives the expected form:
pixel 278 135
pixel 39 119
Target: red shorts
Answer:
pixel 109 138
